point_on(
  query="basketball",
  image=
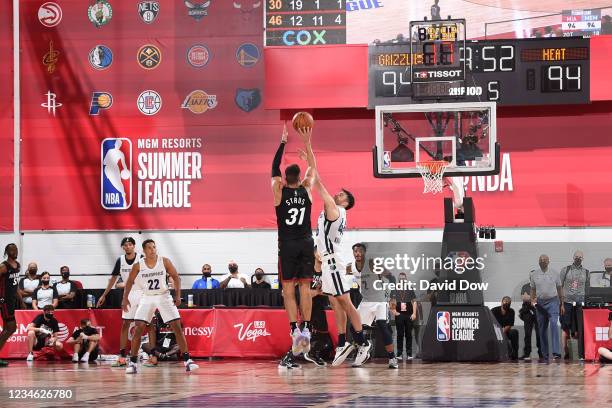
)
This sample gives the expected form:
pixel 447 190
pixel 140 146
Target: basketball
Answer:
pixel 302 120
pixel 125 174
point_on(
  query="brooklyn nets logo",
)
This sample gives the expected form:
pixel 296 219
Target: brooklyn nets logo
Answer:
pixel 148 11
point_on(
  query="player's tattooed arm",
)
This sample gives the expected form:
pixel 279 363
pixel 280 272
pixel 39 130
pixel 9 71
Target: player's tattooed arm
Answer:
pixel 128 286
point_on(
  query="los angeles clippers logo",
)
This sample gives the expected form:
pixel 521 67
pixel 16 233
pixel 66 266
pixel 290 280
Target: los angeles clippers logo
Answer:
pixel 252 331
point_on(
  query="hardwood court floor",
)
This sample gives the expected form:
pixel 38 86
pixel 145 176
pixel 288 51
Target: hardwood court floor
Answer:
pixel 258 383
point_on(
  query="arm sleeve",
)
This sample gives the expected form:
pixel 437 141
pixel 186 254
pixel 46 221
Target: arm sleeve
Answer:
pixel 76 334
pixel 36 321
pixel 21 283
pixel 73 287
pixel 116 268
pixel 277 161
pixel 55 326
pixel 55 295
pixel 35 294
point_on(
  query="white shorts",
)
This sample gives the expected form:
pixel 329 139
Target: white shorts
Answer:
pixel 334 280
pixel 369 312
pixel 134 298
pixel 164 303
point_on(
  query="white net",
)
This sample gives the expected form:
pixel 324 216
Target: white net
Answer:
pixel 433 175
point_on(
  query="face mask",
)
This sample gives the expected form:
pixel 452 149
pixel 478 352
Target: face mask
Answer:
pixel 543 265
pixel 45 282
pixel 608 269
pixel 259 276
pixel 506 306
pixel 33 271
pixel 207 274
pixel 66 275
pixel 577 261
pixel 233 268
pixel 49 315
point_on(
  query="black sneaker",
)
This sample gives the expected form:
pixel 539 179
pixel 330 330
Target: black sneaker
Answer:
pixel 288 362
pixel 556 356
pixel 316 360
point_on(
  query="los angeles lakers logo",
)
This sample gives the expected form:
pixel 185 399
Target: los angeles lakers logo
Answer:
pixel 50 58
pixel 199 102
pixel 149 56
pixel 248 55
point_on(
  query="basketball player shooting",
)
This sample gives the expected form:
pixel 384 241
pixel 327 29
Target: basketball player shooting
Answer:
pixel 150 273
pixel 335 283
pixel 293 202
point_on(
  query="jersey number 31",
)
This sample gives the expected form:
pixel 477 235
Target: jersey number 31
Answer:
pixel 293 213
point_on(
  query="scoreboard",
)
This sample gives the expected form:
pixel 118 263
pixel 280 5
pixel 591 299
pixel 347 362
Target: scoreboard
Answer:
pixel 305 22
pixel 509 72
pixel 585 23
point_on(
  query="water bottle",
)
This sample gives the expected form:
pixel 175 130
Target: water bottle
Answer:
pixel 190 300
pixel 209 283
pixel 275 283
pixel 91 301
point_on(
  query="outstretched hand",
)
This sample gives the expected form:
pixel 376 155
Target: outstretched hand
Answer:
pixel 302 155
pixel 305 134
pixel 285 134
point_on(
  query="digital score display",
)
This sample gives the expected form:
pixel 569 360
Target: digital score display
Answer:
pixel 509 72
pixel 305 22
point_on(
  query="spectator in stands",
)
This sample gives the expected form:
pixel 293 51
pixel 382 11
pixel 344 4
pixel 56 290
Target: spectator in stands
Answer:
pixel 42 332
pixel 548 32
pixel 602 279
pixel 605 354
pixel 435 11
pixel 260 282
pixel 527 313
pixel 85 343
pixel 505 317
pixel 45 294
pixel 66 290
pixel 606 24
pixel 403 306
pixel 207 281
pixel 234 279
pixel 547 297
pixel 574 278
pixel 28 284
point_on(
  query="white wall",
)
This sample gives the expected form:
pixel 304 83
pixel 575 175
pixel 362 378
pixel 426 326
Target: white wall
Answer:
pixel 90 253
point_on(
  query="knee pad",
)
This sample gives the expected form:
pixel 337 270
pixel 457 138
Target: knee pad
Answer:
pixel 384 330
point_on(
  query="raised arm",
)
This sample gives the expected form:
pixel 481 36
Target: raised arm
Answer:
pixel 277 180
pixel 308 155
pixel 171 270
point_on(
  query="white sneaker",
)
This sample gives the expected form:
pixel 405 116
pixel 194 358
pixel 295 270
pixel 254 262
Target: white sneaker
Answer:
pixel 409 358
pixel 75 358
pixel 296 347
pixel 393 363
pixel 342 353
pixel 363 353
pixel 305 341
pixel 85 358
pixel 30 357
pixel 190 365
pixel 399 358
pixel 132 368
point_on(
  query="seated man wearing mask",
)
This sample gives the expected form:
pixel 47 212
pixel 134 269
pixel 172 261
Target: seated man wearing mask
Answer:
pixel 42 332
pixel 85 343
pixel 505 317
pixel 234 279
pixel 66 290
pixel 259 282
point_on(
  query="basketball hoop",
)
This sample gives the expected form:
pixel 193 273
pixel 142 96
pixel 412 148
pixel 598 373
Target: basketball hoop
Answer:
pixel 433 175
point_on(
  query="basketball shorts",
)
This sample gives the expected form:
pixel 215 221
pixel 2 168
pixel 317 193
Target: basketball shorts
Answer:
pixel 296 259
pixel 7 308
pixel 369 312
pixel 42 341
pixel 134 298
pixel 164 303
pixel 334 280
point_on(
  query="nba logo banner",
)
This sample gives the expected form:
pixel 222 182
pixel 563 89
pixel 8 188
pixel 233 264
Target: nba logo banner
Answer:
pixel 116 173
pixel 443 326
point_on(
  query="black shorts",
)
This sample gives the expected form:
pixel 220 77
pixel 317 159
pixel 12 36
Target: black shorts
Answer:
pixel 296 259
pixel 41 342
pixel 569 319
pixel 93 356
pixel 7 309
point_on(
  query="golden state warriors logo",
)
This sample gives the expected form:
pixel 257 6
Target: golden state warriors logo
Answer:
pixel 247 55
pixel 199 102
pixel 116 174
pixel 149 56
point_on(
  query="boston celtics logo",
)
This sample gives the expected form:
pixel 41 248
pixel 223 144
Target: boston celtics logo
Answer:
pixel 100 13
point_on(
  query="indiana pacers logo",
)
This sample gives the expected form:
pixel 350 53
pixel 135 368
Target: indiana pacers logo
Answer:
pixel 50 14
pixel 149 56
pixel 50 58
pixel 100 100
pixel 248 55
pixel 199 102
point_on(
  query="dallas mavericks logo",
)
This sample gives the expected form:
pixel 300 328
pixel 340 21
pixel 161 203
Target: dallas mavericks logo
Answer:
pixel 100 57
pixel 248 99
pixel 116 174
pixel 443 326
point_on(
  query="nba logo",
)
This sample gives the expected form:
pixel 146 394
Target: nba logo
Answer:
pixel 116 174
pixel 443 326
pixel 386 160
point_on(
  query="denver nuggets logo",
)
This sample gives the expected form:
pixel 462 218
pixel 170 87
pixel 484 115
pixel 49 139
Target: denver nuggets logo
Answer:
pixel 199 102
pixel 100 100
pixel 149 56
pixel 116 174
pixel 247 55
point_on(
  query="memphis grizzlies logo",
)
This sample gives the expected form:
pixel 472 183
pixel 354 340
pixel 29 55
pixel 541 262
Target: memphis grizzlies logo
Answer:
pixel 248 99
pixel 116 174
pixel 443 326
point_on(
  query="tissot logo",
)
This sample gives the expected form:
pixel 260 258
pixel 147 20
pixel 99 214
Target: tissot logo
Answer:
pixel 455 73
pixel 252 331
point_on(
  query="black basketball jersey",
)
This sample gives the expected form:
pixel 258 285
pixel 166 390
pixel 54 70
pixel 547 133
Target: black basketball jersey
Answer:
pixel 9 282
pixel 293 214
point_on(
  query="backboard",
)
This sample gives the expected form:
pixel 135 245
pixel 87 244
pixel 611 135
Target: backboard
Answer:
pixel 463 134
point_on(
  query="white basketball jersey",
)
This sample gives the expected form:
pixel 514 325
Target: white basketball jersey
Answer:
pixel 125 268
pixel 329 233
pixel 152 281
